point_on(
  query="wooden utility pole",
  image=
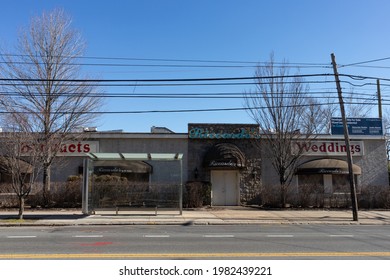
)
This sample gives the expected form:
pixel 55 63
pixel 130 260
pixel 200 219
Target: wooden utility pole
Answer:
pixel 378 88
pixel 347 144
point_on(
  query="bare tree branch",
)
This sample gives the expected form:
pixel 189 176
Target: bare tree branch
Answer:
pixel 21 164
pixel 55 103
pixel 289 115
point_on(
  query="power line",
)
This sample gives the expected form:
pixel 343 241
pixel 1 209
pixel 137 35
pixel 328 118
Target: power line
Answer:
pixel 214 81
pixel 257 79
pixel 135 85
pixel 359 77
pixel 210 95
pixel 364 62
pixel 139 65
pixel 163 80
pixel 236 63
pixel 372 66
pixel 186 110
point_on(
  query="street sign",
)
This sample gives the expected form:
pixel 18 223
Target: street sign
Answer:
pixel 357 126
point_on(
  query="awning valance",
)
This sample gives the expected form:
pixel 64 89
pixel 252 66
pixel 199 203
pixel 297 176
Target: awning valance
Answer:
pixel 327 166
pixel 113 166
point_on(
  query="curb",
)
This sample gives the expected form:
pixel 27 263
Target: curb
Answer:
pixel 217 217
pixel 183 223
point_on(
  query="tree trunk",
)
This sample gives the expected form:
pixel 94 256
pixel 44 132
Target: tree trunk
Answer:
pixel 46 183
pixel 283 190
pixel 21 207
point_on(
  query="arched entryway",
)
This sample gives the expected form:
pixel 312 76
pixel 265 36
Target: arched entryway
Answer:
pixel 224 161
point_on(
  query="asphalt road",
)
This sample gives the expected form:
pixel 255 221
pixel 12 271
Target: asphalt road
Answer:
pixel 197 242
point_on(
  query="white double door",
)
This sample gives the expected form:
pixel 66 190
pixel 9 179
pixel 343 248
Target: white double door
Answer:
pixel 225 187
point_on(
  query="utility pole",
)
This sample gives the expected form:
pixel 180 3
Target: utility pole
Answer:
pixel 347 144
pixel 378 89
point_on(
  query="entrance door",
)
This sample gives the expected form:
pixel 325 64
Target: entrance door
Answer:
pixel 224 187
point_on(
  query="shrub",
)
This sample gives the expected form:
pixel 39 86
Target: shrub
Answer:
pixel 197 194
pixel 7 196
pixel 371 197
pixel 310 195
pixel 61 195
pixel 269 196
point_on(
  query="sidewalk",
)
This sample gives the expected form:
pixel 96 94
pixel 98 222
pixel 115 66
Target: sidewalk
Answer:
pixel 214 216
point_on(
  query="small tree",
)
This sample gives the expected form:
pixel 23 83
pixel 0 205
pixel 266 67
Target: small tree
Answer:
pixel 386 131
pixel 285 113
pixel 22 168
pixel 44 81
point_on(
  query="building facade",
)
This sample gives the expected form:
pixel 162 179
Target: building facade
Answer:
pixel 227 156
pixel 233 158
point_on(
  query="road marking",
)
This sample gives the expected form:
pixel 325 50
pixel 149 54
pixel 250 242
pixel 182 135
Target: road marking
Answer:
pixel 280 235
pixel 195 255
pixel 22 236
pixel 218 236
pixel 96 244
pixel 341 235
pixel 86 236
pixel 156 236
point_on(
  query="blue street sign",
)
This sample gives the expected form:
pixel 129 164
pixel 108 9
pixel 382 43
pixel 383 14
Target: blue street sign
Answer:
pixel 357 126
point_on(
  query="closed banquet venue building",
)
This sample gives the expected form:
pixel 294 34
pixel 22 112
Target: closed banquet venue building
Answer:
pixel 235 159
pixel 232 160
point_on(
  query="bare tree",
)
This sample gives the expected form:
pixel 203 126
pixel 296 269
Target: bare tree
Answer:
pixel 386 131
pixel 20 165
pixel 285 113
pixel 329 110
pixel 355 108
pixel 43 80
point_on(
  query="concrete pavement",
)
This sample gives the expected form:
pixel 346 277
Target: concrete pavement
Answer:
pixel 204 216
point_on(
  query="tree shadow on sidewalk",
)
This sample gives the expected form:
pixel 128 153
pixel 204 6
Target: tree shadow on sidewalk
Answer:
pixel 41 216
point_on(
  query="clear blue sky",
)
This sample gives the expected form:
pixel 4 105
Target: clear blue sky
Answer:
pixel 217 30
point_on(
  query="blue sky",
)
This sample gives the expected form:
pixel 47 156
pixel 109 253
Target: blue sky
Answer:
pixel 212 30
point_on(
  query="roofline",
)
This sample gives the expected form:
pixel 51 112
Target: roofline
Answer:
pixel 143 135
pixel 351 137
pixel 131 135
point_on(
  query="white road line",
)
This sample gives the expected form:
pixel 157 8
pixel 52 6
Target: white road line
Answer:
pixel 218 236
pixel 21 236
pixel 156 236
pixel 341 235
pixel 280 235
pixel 87 236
